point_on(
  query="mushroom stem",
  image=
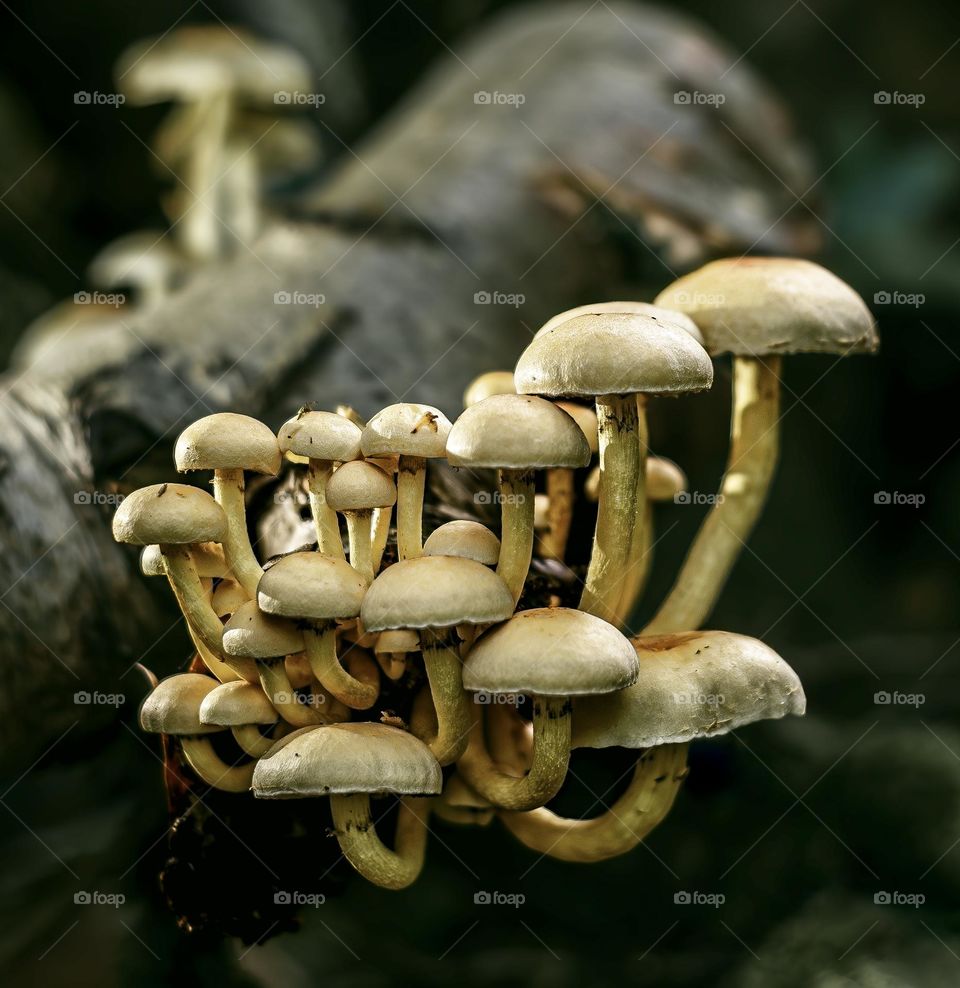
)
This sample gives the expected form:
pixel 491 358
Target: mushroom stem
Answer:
pixel 636 579
pixel 249 738
pixel 516 528
pixel 548 764
pixel 358 532
pixel 200 225
pixel 228 488
pixel 380 525
pixel 647 800
pixel 411 479
pixel 357 835
pixel 280 692
pixel 212 769
pixel 445 675
pixel 638 566
pixel 192 598
pixel 619 464
pixel 750 465
pixel 321 647
pixel 553 545
pixel 329 540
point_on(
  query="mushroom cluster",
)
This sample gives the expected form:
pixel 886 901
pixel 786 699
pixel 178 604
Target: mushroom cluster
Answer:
pixel 295 655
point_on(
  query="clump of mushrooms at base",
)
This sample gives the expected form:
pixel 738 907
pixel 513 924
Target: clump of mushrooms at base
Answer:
pixel 294 654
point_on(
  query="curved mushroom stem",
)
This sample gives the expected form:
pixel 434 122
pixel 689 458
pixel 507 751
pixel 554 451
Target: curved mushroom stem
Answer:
pixel 411 479
pixel 228 488
pixel 193 599
pixel 329 540
pixel 321 648
pixel 280 692
pixel 548 765
pixel 647 800
pixel 358 532
pixel 638 567
pixel 445 675
pixel 553 545
pixel 380 525
pixel 516 528
pixel 619 465
pixel 212 769
pixel 509 738
pixel 200 226
pixel 357 836
pixel 249 738
pixel 750 465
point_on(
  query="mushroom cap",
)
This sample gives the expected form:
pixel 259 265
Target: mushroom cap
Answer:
pixel 310 586
pixel 320 436
pixel 397 641
pixel 770 305
pixel 664 479
pixel 468 539
pixel 487 385
pixel 691 685
pixel 235 704
pixel 143 257
pixel 207 557
pixel 227 597
pixel 360 486
pixel 169 514
pixel 251 634
pixel 613 353
pixel 435 592
pixel 173 707
pixel 638 308
pixel 406 429
pixel 191 62
pixel 586 417
pixel 516 432
pixel 551 651
pixel 227 441
pixel 339 759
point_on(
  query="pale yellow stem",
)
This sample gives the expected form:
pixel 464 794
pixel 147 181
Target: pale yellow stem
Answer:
pixel 321 648
pixel 212 769
pixel 516 524
pixel 329 540
pixel 228 489
pixel 411 479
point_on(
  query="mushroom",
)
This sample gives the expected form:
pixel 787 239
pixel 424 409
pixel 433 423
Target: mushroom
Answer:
pixel 251 634
pixel 691 685
pixel 324 438
pixel 612 357
pixel 145 261
pixel 350 763
pixel 392 648
pixel 355 490
pixel 380 519
pixel 228 595
pixel 435 594
pixel 173 708
pixel 517 434
pixel 489 384
pixel 317 591
pixel 468 539
pixel 415 433
pixel 541 653
pixel 459 804
pixel 228 444
pixel 757 309
pixel 244 709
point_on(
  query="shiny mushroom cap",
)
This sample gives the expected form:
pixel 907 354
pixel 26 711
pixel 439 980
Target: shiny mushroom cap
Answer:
pixel 312 587
pixel 613 353
pixel 169 514
pixel 360 486
pixel 251 634
pixel 517 432
pixel 235 704
pixel 551 651
pixel 769 305
pixel 227 441
pixel 320 436
pixel 487 385
pixel 435 592
pixel 406 429
pixel 340 759
pixel 468 539
pixel 691 685
pixel 665 480
pixel 174 706
pixel 680 319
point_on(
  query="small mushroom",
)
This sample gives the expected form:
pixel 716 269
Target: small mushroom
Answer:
pixel 350 763
pixel 145 261
pixel 489 384
pixel 355 490
pixel 244 709
pixel 468 539
pixel 459 804
pixel 392 648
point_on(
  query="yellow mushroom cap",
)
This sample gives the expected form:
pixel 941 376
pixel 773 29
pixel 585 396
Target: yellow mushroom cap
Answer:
pixel 320 436
pixel 312 587
pixel 613 353
pixel 487 385
pixel 691 685
pixel 682 320
pixel 518 432
pixel 169 514
pixel 468 539
pixel 769 305
pixel 435 592
pixel 173 707
pixel 340 759
pixel 227 441
pixel 251 634
pixel 360 486
pixel 235 704
pixel 551 651
pixel 397 641
pixel 227 597
pixel 406 429
pixel 586 418
pixel 664 479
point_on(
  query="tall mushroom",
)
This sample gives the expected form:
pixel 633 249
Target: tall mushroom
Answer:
pixel 518 435
pixel 244 709
pixel 415 433
pixel 757 309
pixel 355 490
pixel 228 444
pixel 350 763
pixel 551 654
pixel 324 439
pixel 612 357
